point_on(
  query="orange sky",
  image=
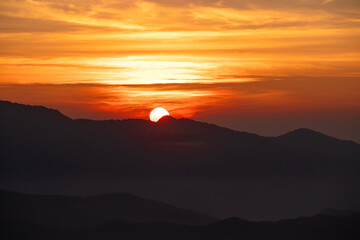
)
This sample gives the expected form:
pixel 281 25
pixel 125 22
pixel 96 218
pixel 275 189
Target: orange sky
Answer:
pixel 261 66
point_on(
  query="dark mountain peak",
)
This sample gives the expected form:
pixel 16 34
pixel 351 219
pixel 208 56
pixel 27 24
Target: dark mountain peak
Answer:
pixel 307 136
pixel 167 119
pixel 16 110
pixel 300 132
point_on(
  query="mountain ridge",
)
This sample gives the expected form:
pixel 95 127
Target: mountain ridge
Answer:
pixel 186 163
pixel 163 120
pixel 58 210
pixel 22 224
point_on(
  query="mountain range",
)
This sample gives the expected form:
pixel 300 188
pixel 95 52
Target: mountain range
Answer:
pixel 183 162
pixel 126 216
pixel 59 211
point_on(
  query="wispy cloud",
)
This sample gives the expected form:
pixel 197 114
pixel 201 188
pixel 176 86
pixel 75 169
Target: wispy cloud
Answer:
pixel 115 59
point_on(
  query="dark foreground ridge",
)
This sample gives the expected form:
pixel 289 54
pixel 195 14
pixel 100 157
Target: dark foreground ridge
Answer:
pixel 186 163
pixel 66 211
pixel 125 216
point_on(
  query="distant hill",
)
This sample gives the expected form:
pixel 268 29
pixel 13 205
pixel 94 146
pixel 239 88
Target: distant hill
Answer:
pixel 186 163
pixel 66 211
pixel 316 227
pixel 311 228
pixel 125 216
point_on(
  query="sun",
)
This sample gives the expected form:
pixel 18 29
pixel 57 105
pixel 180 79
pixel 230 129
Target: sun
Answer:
pixel 158 113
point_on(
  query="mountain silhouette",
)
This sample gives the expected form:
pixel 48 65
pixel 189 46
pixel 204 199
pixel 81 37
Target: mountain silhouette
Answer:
pixel 184 162
pixel 125 216
pixel 67 211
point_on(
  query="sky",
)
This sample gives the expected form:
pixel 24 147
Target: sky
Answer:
pixel 261 66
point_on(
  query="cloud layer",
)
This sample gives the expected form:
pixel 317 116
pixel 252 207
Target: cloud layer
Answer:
pixel 213 59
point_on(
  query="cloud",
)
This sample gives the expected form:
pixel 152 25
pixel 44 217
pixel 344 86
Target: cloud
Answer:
pixel 10 24
pixel 76 6
pixel 273 94
pixel 194 57
pixel 171 16
pixel 261 4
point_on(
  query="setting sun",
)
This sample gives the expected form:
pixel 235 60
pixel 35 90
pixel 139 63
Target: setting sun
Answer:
pixel 158 113
pixel 265 108
pixel 243 64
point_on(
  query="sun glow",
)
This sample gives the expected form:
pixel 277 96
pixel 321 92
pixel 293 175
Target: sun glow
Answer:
pixel 233 61
pixel 158 113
